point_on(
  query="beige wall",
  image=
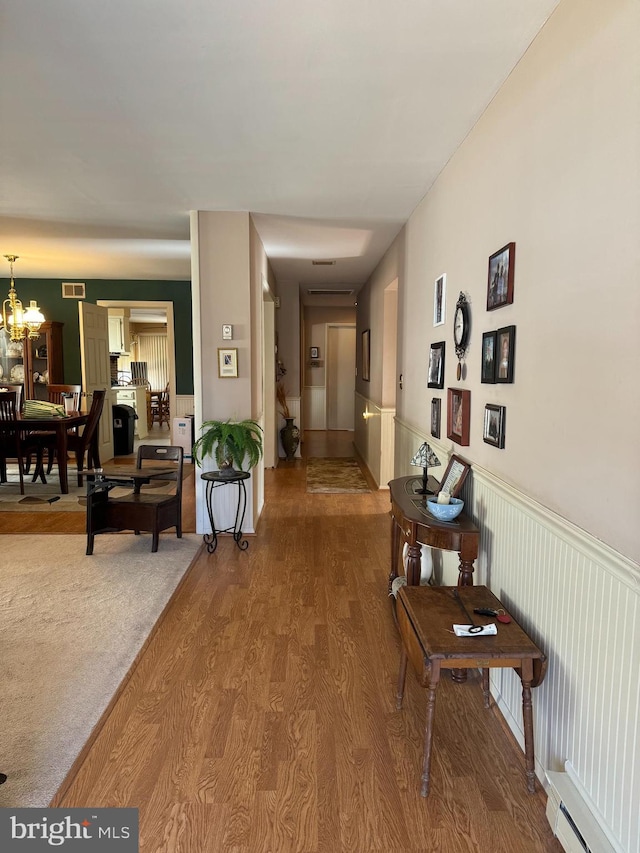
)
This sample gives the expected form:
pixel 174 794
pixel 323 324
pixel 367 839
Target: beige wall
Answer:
pixel 553 165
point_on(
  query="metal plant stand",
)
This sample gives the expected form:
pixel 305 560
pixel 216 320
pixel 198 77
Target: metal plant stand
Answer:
pixel 214 479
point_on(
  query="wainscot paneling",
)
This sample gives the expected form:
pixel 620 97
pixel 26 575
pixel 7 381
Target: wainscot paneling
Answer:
pixel 315 407
pixel 374 438
pixel 580 601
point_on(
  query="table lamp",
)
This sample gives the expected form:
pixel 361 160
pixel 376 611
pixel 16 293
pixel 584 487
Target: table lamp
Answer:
pixel 424 456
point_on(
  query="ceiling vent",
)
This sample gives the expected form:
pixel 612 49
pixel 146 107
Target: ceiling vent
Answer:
pixel 329 292
pixel 323 263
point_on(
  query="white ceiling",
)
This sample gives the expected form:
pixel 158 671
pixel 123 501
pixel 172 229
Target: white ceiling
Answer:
pixel 329 121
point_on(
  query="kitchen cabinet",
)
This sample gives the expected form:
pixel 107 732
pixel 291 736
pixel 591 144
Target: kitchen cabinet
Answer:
pixel 34 364
pixel 136 397
pixel 119 334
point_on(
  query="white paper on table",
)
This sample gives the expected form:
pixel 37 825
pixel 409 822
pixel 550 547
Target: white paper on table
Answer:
pixel 463 630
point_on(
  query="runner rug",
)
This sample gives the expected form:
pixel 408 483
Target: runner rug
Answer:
pixel 70 629
pixel 335 476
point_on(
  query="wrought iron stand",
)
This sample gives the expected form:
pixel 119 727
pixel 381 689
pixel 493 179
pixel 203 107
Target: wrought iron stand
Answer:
pixel 214 479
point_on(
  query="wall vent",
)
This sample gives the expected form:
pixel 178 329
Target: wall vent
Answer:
pixel 323 263
pixel 329 292
pixel 73 290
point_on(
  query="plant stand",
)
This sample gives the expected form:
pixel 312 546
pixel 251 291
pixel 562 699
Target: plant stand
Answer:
pixel 215 479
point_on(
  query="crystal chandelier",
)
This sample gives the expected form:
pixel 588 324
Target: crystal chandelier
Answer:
pixel 19 323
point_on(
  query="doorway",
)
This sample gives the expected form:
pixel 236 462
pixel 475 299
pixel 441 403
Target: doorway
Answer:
pixel 341 376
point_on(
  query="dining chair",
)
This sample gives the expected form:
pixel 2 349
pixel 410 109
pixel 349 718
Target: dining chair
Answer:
pixel 160 407
pixel 10 439
pixel 57 393
pixel 144 509
pixel 4 386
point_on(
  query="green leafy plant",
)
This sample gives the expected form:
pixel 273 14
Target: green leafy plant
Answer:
pixel 230 442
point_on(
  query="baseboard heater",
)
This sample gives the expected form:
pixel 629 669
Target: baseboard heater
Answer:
pixel 572 822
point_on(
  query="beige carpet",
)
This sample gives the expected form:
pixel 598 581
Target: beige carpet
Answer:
pixel 70 628
pixel 47 497
pixel 335 476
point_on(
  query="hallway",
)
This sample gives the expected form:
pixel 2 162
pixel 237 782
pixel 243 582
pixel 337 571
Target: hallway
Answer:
pixel 261 716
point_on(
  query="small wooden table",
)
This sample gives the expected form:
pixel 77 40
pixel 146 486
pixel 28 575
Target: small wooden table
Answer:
pixel 412 521
pixel 426 616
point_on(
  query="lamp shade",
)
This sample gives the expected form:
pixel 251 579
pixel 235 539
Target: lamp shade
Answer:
pixel 425 457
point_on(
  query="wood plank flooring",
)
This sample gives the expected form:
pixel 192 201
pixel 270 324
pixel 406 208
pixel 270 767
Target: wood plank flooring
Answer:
pixel 261 716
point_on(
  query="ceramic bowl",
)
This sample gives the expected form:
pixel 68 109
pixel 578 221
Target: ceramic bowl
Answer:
pixel 445 512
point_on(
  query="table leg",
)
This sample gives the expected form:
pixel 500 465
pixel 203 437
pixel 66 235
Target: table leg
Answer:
pixel 465 573
pixel 414 564
pixel 527 718
pixel 237 526
pixel 485 687
pixel 428 731
pixel 61 451
pixel 395 545
pixel 210 539
pixel 402 677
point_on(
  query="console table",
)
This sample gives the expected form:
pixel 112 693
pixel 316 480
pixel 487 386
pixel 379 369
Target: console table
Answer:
pixel 214 479
pixel 425 619
pixel 412 522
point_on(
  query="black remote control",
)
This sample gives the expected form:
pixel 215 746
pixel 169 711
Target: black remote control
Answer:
pixel 485 611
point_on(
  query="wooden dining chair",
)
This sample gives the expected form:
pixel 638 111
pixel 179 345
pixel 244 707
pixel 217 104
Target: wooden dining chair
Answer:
pixel 10 439
pixel 57 393
pixel 4 386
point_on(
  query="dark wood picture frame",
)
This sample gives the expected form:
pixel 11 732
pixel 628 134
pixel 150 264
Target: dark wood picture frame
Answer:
pixel 435 375
pixel 455 475
pixel 500 277
pixel 458 415
pixel 494 423
pixel 488 370
pixel 435 417
pixel 366 354
pixel 505 353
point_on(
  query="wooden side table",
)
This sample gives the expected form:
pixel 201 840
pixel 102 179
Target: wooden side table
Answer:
pixel 214 479
pixel 426 616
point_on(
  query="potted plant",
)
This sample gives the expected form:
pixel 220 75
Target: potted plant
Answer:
pixel 230 442
pixel 289 434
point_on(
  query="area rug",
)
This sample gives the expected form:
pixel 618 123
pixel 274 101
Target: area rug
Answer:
pixel 70 628
pixel 335 476
pixel 47 497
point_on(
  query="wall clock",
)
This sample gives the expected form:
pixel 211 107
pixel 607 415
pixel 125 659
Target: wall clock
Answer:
pixel 461 329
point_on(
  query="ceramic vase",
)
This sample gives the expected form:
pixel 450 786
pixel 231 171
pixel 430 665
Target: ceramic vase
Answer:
pixel 290 437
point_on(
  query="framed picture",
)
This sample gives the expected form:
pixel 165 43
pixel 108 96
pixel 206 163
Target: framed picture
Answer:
pixel 458 415
pixel 439 293
pixel 314 352
pixel 454 476
pixel 500 281
pixel 494 417
pixel 228 363
pixel 435 379
pixel 505 353
pixel 489 340
pixel 435 417
pixel 366 354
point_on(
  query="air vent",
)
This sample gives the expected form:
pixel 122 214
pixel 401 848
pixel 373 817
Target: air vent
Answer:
pixel 323 263
pixel 326 292
pixel 73 290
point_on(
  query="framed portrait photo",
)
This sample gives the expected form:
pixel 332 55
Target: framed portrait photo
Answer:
pixel 366 354
pixel 494 418
pixel 454 476
pixel 435 378
pixel 439 294
pixel 435 417
pixel 500 279
pixel 505 353
pixel 228 363
pixel 489 340
pixel 458 415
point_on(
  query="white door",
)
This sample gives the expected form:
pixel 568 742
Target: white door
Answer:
pixel 96 373
pixel 341 376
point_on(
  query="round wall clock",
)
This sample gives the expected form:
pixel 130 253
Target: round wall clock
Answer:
pixel 461 329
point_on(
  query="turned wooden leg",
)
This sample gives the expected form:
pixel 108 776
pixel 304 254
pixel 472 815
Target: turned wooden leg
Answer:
pixel 527 718
pixel 428 738
pixel 485 687
pixel 401 679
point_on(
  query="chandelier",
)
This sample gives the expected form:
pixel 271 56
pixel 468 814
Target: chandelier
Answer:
pixel 19 323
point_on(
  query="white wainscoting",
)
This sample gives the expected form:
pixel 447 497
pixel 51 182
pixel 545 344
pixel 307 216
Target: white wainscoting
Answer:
pixel 315 415
pixel 294 409
pixel 374 438
pixel 580 601
pixel 183 405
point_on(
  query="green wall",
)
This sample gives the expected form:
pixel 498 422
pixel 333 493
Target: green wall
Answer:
pixel 48 293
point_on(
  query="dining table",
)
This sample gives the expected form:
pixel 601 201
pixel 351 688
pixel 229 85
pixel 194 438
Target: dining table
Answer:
pixel 60 425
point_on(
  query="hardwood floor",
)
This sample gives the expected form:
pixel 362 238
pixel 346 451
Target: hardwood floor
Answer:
pixel 261 716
